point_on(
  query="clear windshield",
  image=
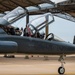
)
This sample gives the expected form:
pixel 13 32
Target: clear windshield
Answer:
pixel 57 38
pixel 41 22
pixel 53 37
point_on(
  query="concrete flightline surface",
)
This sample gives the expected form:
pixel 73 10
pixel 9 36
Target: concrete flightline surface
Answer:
pixel 35 65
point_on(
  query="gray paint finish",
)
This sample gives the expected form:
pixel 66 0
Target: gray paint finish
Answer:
pixel 31 45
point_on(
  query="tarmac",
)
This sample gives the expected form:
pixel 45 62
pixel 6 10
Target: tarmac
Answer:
pixel 36 65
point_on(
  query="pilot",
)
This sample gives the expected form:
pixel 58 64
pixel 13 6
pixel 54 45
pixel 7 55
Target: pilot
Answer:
pixel 12 31
pixel 18 32
pixel 42 35
pixel 27 31
pixel 37 35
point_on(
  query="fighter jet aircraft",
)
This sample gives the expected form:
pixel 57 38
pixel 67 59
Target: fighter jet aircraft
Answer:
pixel 31 45
pixel 34 45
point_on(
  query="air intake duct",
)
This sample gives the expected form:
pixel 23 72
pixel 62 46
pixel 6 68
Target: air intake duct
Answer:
pixel 8 47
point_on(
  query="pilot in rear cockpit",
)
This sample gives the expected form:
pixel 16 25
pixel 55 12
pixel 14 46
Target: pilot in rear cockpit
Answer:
pixel 30 33
pixel 27 31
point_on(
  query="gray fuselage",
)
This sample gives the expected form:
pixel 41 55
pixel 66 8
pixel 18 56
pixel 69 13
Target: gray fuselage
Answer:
pixel 29 45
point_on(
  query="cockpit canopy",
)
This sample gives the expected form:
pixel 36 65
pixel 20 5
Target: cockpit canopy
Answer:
pixel 41 22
